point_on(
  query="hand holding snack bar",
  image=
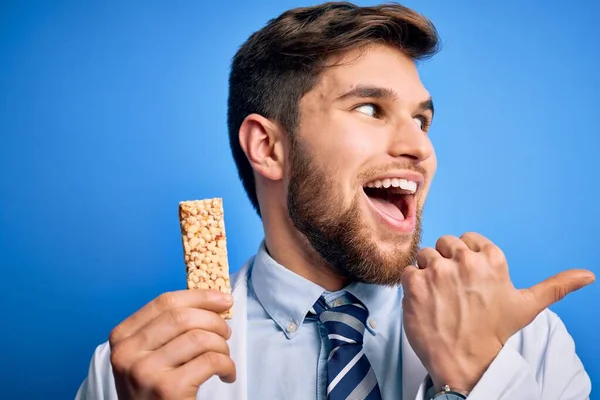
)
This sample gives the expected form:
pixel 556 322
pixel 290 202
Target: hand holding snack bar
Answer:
pixel 175 343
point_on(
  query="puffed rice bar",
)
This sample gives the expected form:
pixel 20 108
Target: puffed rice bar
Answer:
pixel 205 246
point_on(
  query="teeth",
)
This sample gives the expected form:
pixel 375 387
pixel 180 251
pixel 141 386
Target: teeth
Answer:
pixel 403 184
pixel 408 185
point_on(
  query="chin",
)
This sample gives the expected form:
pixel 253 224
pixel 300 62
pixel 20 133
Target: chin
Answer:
pixel 390 245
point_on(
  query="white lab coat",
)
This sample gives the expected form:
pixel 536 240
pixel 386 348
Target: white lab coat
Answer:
pixel 539 362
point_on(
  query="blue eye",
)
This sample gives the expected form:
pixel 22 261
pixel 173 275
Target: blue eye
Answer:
pixel 367 109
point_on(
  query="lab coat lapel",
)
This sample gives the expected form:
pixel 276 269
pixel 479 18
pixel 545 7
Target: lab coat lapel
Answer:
pixel 214 388
pixel 413 372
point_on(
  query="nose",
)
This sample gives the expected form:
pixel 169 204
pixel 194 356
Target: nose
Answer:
pixel 411 142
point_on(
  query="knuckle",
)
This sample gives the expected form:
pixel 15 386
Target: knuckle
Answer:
pixel 114 335
pixel 198 337
pixel 221 326
pixel 217 361
pixel 423 251
pixel 494 253
pixel 560 292
pixel 165 389
pixel 489 247
pixel 224 348
pixel 166 301
pixel 435 268
pixel 438 270
pixel 468 235
pixel 214 323
pixel 179 316
pixel 141 373
pixel 436 264
pixel 117 358
pixel 463 254
pixel 444 240
pixel 227 364
pixel 216 343
pixel 214 360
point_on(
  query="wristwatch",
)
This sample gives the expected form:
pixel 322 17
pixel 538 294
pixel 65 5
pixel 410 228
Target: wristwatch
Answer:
pixel 445 394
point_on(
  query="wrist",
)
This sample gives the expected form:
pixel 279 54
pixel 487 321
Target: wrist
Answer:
pixel 460 373
pixel 462 383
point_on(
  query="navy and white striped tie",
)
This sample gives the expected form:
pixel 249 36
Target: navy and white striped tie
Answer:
pixel 349 373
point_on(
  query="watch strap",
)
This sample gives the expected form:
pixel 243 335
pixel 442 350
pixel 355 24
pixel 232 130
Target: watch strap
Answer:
pixel 443 393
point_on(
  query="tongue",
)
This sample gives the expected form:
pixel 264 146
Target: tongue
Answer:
pixel 387 208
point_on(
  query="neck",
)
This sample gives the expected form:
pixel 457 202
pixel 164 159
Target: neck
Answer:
pixel 291 249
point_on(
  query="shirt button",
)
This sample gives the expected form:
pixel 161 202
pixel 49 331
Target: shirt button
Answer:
pixel 372 323
pixel 291 328
pixel 338 302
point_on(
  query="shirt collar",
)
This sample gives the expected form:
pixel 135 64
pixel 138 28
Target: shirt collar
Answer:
pixel 375 297
pixel 287 296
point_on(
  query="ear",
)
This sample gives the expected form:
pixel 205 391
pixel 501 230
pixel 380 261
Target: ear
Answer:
pixel 262 141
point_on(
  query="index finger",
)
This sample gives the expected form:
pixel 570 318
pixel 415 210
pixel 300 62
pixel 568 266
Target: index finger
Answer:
pixel 205 299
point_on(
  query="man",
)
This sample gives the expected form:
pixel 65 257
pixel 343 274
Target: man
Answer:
pixel 328 123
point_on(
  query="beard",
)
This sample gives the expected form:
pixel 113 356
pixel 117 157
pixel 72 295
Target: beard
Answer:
pixel 341 237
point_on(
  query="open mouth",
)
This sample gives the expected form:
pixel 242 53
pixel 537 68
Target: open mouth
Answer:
pixel 394 199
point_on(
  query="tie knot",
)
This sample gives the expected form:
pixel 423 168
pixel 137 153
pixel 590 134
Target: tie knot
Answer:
pixel 345 324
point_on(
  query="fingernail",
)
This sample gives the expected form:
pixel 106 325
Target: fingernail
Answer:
pixel 587 281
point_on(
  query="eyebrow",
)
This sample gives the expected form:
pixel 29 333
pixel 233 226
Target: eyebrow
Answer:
pixel 374 92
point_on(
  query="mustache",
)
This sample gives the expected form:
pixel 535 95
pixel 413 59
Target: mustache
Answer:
pixel 393 166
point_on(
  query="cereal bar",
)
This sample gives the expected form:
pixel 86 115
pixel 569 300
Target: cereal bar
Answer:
pixel 204 245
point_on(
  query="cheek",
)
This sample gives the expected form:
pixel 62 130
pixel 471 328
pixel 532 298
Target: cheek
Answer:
pixel 350 144
pixel 343 145
pixel 352 149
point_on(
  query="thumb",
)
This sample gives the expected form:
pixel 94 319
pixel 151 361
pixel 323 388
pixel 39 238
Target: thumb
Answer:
pixel 544 294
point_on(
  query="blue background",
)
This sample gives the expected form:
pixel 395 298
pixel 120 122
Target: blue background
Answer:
pixel 113 112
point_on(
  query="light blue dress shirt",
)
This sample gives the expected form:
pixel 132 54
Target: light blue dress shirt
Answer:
pixel 287 355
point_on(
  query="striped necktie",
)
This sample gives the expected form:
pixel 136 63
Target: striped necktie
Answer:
pixel 349 373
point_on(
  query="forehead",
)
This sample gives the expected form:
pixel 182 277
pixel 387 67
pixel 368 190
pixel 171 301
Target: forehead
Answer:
pixel 378 65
